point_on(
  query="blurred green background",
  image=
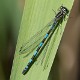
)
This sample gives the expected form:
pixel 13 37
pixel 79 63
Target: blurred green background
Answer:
pixel 10 18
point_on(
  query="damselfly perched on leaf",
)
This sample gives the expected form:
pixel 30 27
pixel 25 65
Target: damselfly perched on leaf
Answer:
pixel 27 48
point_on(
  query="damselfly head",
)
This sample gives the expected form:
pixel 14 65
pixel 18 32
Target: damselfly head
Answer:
pixel 64 10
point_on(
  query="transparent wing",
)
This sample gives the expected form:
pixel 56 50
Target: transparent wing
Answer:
pixel 34 41
pixel 46 63
pixel 42 56
pixel 45 51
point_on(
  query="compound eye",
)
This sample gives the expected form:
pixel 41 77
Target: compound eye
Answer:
pixel 64 10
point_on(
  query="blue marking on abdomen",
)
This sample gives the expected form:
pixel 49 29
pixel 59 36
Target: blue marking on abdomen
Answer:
pixel 26 67
pixel 46 36
pixel 35 53
pixel 40 44
pixel 53 25
pixel 30 60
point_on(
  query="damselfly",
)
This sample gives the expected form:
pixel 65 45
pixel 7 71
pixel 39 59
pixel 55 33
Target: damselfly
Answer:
pixel 60 16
